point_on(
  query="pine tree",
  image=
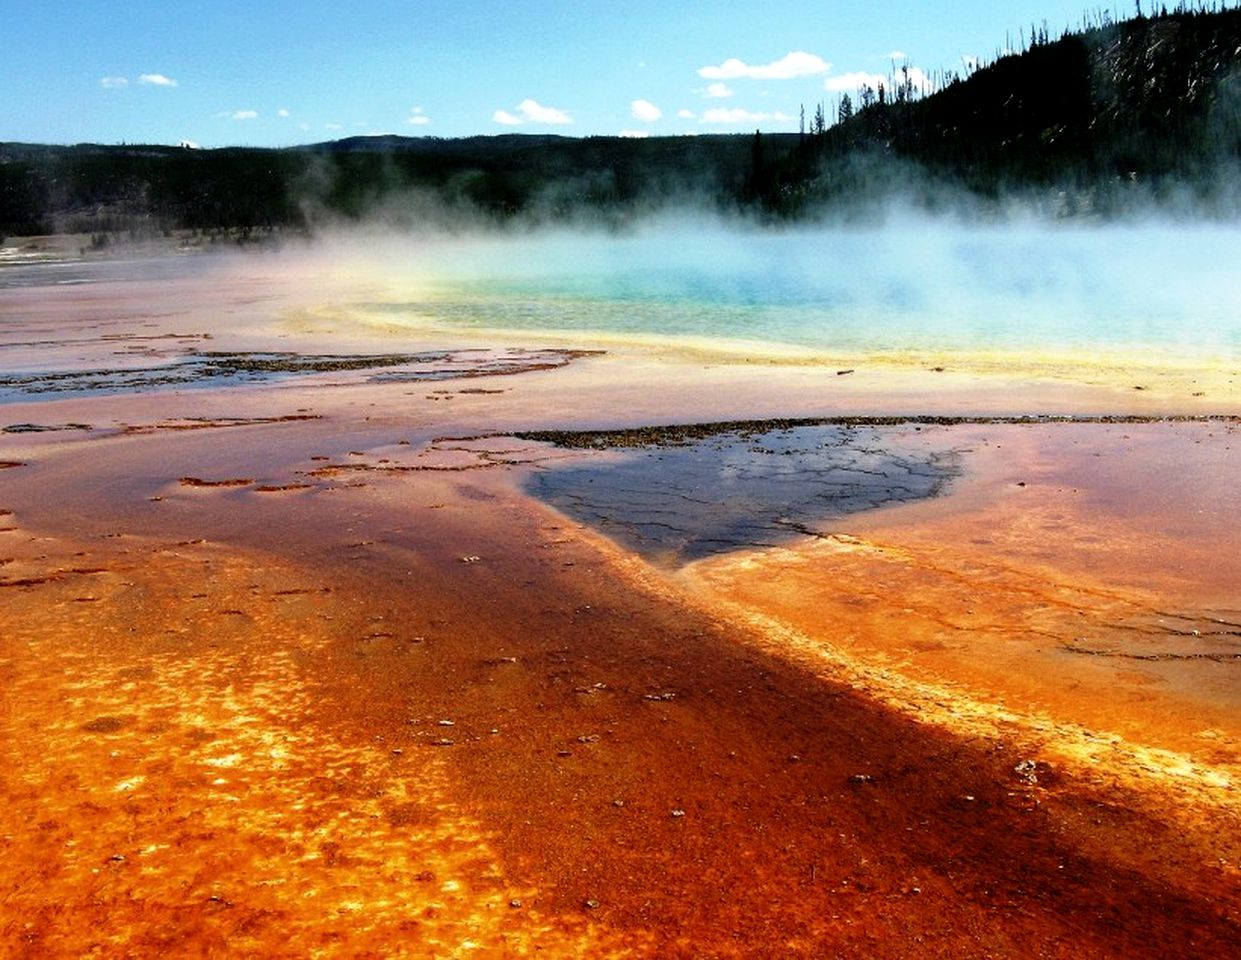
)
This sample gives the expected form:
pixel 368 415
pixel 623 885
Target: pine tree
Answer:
pixel 846 108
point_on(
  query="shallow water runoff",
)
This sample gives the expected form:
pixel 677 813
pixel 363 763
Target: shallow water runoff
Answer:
pixel 679 500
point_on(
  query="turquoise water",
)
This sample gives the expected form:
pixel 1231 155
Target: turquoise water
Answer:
pixel 918 286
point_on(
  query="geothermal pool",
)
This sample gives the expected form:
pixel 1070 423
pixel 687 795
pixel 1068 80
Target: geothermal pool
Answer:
pixel 890 289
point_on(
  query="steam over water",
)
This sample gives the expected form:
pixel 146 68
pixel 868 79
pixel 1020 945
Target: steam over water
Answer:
pixel 921 286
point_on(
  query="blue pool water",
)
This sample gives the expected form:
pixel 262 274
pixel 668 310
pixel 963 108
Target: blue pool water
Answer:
pixel 920 286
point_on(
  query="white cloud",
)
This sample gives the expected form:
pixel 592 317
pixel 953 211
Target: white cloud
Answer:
pixel 531 111
pixel 244 115
pixel 113 83
pixel 645 111
pixel 190 145
pixel 634 134
pixel 853 82
pixel 898 55
pixel 791 65
pixel 282 112
pixel 971 62
pixel 686 114
pixel 717 91
pixel 535 112
pixel 418 117
pixel 157 80
pixel 740 115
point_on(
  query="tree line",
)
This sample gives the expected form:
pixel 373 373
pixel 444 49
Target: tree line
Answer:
pixel 1081 120
pixel 1148 105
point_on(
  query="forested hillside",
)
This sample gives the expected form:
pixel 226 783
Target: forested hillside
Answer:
pixel 1085 123
pixel 1149 108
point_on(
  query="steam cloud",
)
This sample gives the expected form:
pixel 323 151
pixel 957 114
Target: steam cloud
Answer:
pixel 912 282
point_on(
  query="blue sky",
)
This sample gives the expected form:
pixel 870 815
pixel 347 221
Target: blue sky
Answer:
pixel 275 72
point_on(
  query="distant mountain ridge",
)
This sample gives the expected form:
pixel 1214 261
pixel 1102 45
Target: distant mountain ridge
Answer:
pixel 1081 124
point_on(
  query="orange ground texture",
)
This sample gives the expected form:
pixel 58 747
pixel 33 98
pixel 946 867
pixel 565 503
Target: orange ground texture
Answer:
pixel 287 671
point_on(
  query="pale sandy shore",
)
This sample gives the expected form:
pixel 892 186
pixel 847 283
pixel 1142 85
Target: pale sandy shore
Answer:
pixel 298 668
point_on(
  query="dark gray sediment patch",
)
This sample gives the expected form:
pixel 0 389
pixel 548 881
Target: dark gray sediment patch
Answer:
pixel 672 434
pixel 677 493
pixel 683 493
pixel 219 369
pixel 43 427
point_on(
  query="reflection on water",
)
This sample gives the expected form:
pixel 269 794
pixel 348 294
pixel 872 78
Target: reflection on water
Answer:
pixel 66 272
pixel 212 369
pixel 691 499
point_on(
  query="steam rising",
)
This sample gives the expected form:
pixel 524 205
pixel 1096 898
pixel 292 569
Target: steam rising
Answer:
pixel 910 283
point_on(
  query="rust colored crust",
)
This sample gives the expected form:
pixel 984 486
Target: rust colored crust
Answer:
pixel 230 482
pixel 423 716
pixel 357 753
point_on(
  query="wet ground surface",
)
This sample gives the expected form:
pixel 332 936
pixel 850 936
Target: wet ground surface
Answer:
pixel 686 498
pixel 217 369
pixel 293 671
pixel 50 268
pixel 681 493
pixel 391 746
